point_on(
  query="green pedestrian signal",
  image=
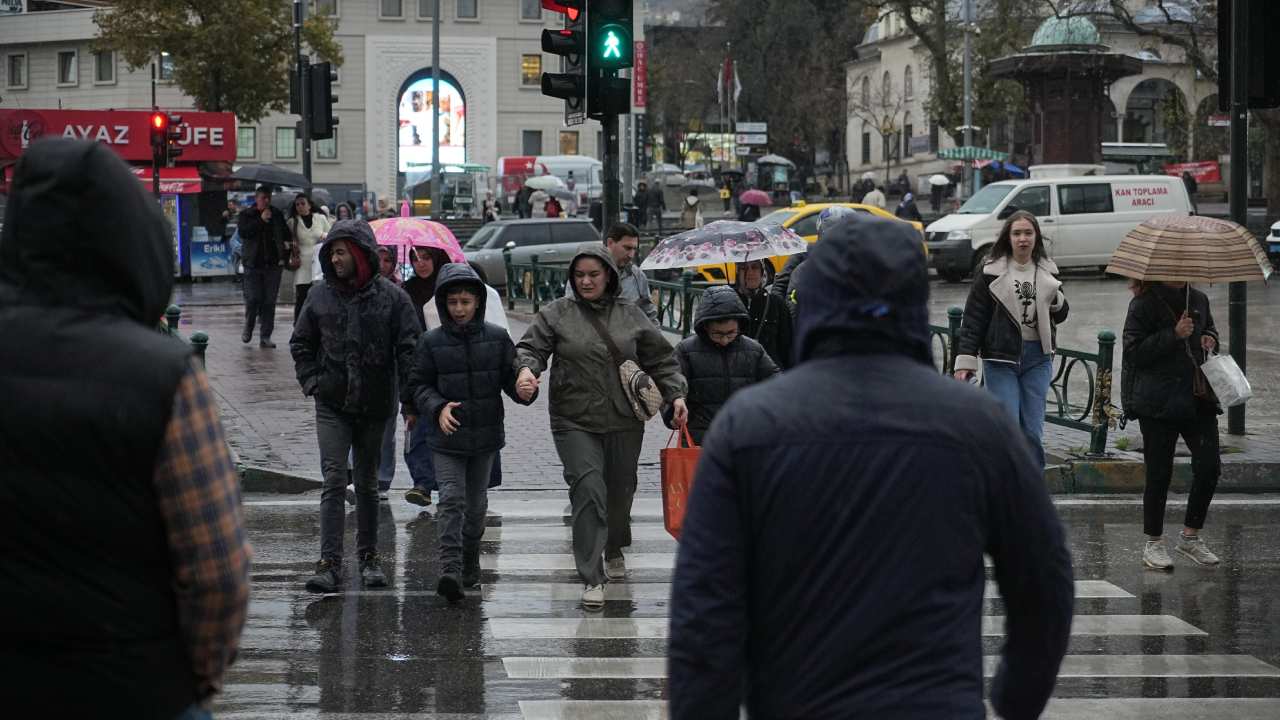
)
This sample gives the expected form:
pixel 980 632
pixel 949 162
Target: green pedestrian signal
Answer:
pixel 612 46
pixel 611 43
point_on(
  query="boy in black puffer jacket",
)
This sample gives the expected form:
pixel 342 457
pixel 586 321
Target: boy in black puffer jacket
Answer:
pixel 460 371
pixel 718 360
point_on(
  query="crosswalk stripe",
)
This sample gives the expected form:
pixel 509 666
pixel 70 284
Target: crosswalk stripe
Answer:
pixel 552 592
pixel 1142 708
pixel 656 628
pixel 652 507
pixel 593 709
pixel 645 532
pixel 1073 666
pixel 515 562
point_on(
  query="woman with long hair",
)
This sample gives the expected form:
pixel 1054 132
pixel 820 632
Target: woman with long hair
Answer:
pixel 1011 324
pixel 307 230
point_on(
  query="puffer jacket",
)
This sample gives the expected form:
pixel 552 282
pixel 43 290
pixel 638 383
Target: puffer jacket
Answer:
pixel 770 322
pixel 991 330
pixel 472 364
pixel 1158 375
pixel 586 392
pixel 715 373
pixel 349 343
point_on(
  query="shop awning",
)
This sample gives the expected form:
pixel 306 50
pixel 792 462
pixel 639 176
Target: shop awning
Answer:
pixel 173 181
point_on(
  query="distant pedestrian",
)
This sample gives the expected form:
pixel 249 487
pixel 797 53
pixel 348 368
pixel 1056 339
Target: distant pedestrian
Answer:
pixel 623 242
pixel 907 209
pixel 935 197
pixel 657 204
pixel 691 213
pixel 523 204
pixel 344 212
pixel 768 317
pixel 460 372
pixel 264 236
pixel 427 263
pixel 875 198
pixel 1011 325
pixel 642 202
pixel 126 562
pixel 718 359
pixel 389 268
pixel 903 183
pixel 538 204
pixel 354 391
pixel 1168 334
pixel 306 231
pixel 820 494
pixel 553 208
pixel 571 183
pixel 596 431
pixel 726 196
pixel 748 212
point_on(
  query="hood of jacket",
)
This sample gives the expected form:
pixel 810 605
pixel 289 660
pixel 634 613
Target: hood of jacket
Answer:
pixel 865 289
pixel 81 231
pixel 601 253
pixel 360 234
pixel 719 303
pixel 451 277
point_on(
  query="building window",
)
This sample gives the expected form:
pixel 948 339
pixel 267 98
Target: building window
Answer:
pixel 531 70
pixel 104 68
pixel 391 9
pixel 326 8
pixel 933 137
pixel 468 9
pixel 286 143
pixel 568 142
pixel 68 68
pixel 425 8
pixel 328 149
pixel 246 142
pixel 907 133
pixel 531 10
pixel 530 142
pixel 17 71
pixel 866 146
pixel 166 66
pixel 908 85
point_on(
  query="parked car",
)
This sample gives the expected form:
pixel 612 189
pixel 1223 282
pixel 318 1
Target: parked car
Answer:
pixel 551 239
pixel 1273 244
pixel 1083 218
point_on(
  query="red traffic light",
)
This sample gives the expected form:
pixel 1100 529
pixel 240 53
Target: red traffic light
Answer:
pixel 159 121
pixel 569 8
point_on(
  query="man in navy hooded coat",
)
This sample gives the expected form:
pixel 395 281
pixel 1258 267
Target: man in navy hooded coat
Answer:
pixel 831 562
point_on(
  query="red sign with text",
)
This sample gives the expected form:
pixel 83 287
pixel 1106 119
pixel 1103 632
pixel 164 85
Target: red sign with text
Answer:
pixel 206 136
pixel 640 75
pixel 1204 172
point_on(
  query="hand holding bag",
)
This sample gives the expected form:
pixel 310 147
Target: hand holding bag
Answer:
pixel 641 392
pixel 295 250
pixel 679 465
pixel 1227 380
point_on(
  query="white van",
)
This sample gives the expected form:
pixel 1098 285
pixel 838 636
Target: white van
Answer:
pixel 587 175
pixel 1083 218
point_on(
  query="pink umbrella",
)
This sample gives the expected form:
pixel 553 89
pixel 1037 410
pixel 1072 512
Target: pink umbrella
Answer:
pixel 404 209
pixel 755 197
pixel 407 232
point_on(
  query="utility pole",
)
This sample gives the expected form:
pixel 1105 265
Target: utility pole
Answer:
pixel 967 182
pixel 1237 294
pixel 435 109
pixel 304 86
pixel 155 166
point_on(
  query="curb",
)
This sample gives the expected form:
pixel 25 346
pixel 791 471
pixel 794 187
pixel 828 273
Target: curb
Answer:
pixel 255 479
pixel 1086 475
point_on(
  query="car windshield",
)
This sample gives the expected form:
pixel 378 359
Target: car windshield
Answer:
pixel 483 236
pixel 986 200
pixel 778 217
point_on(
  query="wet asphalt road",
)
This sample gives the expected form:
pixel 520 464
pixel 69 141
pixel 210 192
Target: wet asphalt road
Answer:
pixel 1205 643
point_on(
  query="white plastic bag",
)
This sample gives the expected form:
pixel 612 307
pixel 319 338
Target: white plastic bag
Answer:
pixel 1227 381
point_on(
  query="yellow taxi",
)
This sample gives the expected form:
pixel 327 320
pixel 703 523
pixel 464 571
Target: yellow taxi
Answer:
pixel 802 218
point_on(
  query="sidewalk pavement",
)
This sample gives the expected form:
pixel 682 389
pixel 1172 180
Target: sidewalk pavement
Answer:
pixel 271 426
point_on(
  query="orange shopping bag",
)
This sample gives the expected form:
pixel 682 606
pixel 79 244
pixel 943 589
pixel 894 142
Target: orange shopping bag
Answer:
pixel 678 467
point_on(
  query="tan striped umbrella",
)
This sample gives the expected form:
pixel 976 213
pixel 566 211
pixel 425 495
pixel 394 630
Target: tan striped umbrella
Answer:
pixel 1190 248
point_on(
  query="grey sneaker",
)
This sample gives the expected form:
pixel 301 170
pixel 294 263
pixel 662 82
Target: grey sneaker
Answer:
pixel 593 597
pixel 616 569
pixel 327 578
pixel 1194 548
pixel 1156 557
pixel 371 571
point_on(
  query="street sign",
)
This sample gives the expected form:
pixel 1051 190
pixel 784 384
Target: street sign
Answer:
pixel 752 127
pixel 742 151
pixel 751 139
pixel 1219 120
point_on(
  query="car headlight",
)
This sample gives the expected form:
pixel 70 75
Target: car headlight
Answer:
pixel 959 235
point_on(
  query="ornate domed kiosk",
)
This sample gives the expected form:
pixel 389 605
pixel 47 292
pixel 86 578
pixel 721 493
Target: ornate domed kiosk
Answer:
pixel 1066 72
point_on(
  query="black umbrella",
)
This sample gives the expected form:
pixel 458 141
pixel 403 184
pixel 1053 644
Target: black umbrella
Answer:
pixel 265 174
pixel 320 196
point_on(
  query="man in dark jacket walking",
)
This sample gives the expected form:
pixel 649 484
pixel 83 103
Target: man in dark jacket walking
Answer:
pixel 126 567
pixel 904 479
pixel 356 332
pixel 265 239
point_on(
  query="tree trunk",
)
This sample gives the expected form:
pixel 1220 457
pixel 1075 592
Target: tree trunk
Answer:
pixel 1270 119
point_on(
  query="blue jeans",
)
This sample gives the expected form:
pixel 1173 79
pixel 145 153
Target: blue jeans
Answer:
pixel 1023 389
pixel 387 463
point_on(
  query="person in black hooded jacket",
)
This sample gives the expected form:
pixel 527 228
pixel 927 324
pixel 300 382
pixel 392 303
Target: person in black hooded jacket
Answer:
pixel 862 475
pixel 355 334
pixel 719 359
pixel 769 322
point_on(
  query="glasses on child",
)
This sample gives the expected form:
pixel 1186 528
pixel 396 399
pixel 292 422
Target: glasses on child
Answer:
pixel 727 336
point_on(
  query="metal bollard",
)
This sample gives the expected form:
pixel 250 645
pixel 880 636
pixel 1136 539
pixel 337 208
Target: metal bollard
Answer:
pixel 173 315
pixel 955 316
pixel 1102 416
pixel 200 343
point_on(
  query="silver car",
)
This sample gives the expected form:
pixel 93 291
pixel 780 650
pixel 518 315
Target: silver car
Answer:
pixel 552 240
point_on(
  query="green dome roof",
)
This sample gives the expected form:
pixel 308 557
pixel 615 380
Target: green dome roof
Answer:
pixel 1066 31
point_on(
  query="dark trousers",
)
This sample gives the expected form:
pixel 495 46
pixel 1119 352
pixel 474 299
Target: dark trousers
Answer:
pixel 261 288
pixel 1159 441
pixel 600 469
pixel 464 483
pixel 341 434
pixel 418 456
pixel 299 298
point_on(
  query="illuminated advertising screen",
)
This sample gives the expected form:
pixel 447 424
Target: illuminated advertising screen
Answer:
pixel 417 103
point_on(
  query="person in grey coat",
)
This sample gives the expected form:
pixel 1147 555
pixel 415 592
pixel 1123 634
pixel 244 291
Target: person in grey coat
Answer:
pixel 356 331
pixel 622 242
pixel 597 434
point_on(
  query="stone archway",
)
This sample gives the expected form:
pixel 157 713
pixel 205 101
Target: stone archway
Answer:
pixel 1208 142
pixel 1156 112
pixel 1110 122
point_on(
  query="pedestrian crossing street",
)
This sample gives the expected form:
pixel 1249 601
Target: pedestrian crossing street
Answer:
pixel 522 647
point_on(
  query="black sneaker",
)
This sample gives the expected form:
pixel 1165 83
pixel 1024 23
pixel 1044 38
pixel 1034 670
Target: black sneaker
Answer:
pixel 371 571
pixel 246 336
pixel 327 578
pixel 449 588
pixel 418 497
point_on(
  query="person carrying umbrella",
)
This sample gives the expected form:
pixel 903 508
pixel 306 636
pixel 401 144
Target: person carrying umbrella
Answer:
pixel 768 317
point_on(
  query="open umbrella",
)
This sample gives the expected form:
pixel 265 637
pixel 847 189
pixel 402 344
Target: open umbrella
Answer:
pixel 868 176
pixel 563 193
pixel 407 232
pixel 264 173
pixel 775 160
pixel 544 182
pixel 939 180
pixel 722 242
pixel 320 196
pixel 1190 248
pixel 755 197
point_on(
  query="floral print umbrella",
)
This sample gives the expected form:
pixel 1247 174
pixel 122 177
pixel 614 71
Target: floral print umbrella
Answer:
pixel 722 242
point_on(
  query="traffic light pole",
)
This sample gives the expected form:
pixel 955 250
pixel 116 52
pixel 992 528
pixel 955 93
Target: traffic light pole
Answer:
pixel 303 87
pixel 155 162
pixel 1237 294
pixel 612 195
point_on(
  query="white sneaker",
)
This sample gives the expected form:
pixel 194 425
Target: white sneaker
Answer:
pixel 593 597
pixel 615 569
pixel 1194 548
pixel 1156 557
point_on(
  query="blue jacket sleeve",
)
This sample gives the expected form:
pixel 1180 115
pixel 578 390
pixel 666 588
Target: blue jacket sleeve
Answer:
pixel 1033 570
pixel 708 640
